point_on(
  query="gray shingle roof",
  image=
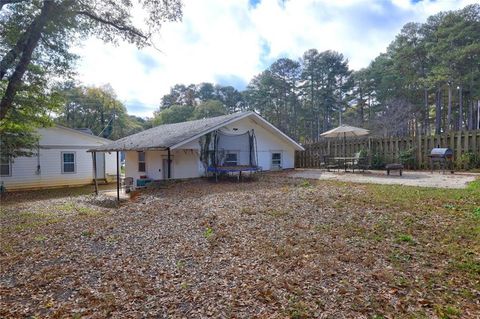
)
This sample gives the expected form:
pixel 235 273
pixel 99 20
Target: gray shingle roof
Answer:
pixel 168 135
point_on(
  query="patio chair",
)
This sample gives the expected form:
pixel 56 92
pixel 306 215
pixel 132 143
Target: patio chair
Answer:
pixel 330 163
pixel 360 162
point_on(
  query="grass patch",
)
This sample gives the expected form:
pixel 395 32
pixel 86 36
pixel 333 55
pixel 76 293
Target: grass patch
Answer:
pixel 305 183
pixel 208 233
pixel 476 212
pixel 298 309
pixel 276 213
pixel 247 211
pixel 87 233
pixel 27 220
pixel 40 238
pixel 474 186
pixel 404 238
pixel 448 312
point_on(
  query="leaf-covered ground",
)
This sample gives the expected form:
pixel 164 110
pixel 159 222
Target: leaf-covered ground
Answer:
pixel 275 248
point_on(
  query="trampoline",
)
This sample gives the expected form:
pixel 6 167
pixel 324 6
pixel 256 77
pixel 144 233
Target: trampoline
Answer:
pixel 227 153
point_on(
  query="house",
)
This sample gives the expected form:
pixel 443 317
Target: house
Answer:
pixel 236 142
pixel 60 160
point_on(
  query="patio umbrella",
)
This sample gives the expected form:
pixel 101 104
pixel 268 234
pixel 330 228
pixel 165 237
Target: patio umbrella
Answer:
pixel 345 131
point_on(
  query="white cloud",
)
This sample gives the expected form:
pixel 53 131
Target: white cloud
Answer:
pixel 227 39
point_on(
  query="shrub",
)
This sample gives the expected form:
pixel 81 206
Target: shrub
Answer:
pixel 469 160
pixel 378 161
pixel 407 157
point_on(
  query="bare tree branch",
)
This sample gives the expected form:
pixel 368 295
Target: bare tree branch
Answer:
pixel 117 26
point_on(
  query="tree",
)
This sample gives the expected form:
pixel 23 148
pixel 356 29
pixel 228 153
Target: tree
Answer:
pixel 173 114
pixel 209 108
pixel 35 41
pixel 18 135
pixel 98 109
pixel 326 80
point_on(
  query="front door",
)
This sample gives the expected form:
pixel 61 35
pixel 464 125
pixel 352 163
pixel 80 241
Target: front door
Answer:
pixel 165 168
pixel 100 156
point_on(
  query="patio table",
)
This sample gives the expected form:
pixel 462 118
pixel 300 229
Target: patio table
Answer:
pixel 337 162
pixel 345 161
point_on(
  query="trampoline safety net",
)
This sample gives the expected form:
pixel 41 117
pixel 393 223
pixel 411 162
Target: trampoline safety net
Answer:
pixel 220 149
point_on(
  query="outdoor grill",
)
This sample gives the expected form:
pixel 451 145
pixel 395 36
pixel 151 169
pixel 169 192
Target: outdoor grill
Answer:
pixel 442 156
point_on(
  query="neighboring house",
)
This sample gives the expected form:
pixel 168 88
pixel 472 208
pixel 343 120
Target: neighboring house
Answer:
pixel 61 160
pixel 235 142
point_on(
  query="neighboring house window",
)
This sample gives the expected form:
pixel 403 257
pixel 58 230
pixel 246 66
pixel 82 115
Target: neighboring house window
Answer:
pixel 231 159
pixel 5 166
pixel 68 162
pixel 277 159
pixel 141 161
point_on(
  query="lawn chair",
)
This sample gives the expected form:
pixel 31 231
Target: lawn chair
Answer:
pixel 330 163
pixel 360 162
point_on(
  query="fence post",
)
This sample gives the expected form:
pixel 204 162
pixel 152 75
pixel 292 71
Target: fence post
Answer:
pixel 459 147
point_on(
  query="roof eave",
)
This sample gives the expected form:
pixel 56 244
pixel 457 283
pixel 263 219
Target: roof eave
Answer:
pixel 126 149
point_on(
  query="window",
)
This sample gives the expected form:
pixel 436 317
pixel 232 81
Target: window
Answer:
pixel 230 159
pixel 277 159
pixel 68 162
pixel 5 166
pixel 141 161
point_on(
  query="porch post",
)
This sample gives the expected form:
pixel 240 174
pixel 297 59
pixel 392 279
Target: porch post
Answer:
pixel 169 164
pixel 118 179
pixel 94 155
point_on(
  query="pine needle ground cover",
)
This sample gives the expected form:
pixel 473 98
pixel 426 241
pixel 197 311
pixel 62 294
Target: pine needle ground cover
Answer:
pixel 275 248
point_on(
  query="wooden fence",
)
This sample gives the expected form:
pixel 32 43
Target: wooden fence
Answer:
pixel 389 149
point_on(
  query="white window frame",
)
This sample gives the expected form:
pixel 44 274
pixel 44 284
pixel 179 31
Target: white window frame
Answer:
pixel 9 163
pixel 144 161
pixel 74 162
pixel 279 165
pixel 236 153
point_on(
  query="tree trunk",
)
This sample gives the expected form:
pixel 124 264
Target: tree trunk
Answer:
pixel 15 81
pixel 470 115
pixel 460 108
pixel 426 128
pixel 438 112
pixel 362 111
pixel 449 110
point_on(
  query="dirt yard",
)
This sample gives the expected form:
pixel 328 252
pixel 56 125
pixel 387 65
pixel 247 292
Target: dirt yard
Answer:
pixel 276 248
pixel 409 178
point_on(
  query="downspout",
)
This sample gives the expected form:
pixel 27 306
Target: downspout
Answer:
pixel 38 171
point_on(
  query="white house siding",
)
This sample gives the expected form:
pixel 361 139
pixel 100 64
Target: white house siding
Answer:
pixel 185 164
pixel 53 142
pixel 186 160
pixel 267 143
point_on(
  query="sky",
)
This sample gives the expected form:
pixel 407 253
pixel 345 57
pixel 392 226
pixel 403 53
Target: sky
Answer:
pixel 229 41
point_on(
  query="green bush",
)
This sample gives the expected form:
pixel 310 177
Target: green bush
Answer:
pixel 407 157
pixel 469 160
pixel 378 161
